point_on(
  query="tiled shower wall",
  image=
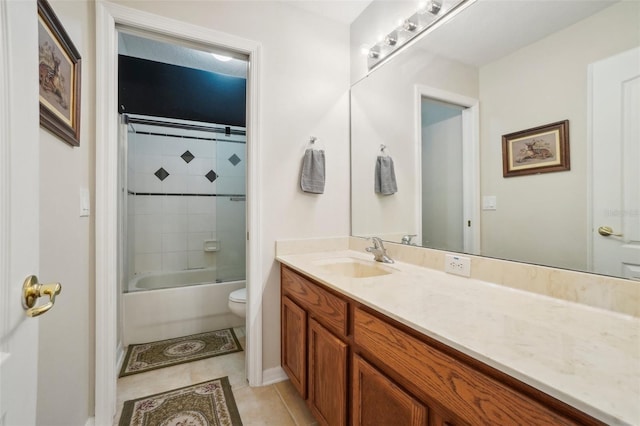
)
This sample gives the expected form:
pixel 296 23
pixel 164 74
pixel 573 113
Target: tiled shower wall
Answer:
pixel 172 177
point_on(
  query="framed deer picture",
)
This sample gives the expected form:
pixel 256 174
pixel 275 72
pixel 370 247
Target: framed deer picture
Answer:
pixel 59 77
pixel 541 149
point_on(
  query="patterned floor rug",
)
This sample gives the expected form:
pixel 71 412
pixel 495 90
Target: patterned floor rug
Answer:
pixel 209 403
pixel 165 353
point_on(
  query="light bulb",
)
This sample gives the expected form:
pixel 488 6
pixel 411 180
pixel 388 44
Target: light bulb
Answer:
pixel 221 58
pixel 434 6
pixel 390 40
pixel 409 25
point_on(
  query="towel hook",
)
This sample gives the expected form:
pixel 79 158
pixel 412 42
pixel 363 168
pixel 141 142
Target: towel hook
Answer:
pixel 383 150
pixel 312 143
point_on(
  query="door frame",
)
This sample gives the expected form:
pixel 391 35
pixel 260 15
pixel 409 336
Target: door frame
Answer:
pixel 470 159
pixel 592 226
pixel 5 168
pixel 108 16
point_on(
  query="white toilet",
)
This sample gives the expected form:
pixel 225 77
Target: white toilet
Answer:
pixel 238 302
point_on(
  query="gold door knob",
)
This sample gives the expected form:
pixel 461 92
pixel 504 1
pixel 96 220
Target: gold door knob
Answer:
pixel 607 231
pixel 32 290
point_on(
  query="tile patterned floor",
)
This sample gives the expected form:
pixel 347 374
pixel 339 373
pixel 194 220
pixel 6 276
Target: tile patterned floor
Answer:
pixel 277 404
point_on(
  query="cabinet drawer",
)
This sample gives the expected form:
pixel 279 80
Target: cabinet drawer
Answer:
pixel 330 310
pixel 437 377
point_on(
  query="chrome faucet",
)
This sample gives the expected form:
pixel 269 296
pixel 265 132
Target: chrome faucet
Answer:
pixel 378 250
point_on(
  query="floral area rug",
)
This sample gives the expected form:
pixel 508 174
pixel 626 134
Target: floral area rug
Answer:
pixel 209 403
pixel 165 353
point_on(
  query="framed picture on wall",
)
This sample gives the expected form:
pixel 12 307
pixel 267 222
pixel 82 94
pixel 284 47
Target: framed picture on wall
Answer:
pixel 541 149
pixel 59 77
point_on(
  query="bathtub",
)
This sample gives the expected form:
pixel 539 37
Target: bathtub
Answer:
pixel 166 305
pixel 170 279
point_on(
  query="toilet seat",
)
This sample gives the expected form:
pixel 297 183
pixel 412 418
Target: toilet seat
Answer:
pixel 239 296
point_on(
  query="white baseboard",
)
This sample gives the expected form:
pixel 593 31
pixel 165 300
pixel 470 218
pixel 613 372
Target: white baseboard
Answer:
pixel 91 421
pixel 273 375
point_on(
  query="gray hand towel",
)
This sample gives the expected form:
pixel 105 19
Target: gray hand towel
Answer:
pixel 312 176
pixel 385 179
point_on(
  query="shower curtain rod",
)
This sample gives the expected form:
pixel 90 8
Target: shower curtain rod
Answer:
pixel 234 197
pixel 221 129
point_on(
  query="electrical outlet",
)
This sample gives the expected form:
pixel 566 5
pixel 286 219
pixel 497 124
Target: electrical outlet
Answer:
pixel 458 265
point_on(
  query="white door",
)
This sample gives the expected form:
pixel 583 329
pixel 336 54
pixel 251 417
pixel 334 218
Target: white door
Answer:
pixel 19 233
pixel 615 106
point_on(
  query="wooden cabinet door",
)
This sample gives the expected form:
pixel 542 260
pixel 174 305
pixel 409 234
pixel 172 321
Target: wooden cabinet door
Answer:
pixel 294 344
pixel 379 401
pixel 328 357
pixel 439 419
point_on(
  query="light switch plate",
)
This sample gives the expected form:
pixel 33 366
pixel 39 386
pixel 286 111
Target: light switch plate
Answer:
pixel 489 202
pixel 85 202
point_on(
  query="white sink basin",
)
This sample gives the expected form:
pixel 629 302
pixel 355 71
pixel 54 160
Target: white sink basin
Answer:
pixel 354 268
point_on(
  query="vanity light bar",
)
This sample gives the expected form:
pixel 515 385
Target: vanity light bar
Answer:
pixel 429 16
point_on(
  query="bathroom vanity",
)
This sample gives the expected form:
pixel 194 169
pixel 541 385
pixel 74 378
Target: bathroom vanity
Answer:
pixel 367 343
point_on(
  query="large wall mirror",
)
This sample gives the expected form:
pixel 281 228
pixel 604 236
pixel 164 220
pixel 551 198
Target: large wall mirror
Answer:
pixel 441 107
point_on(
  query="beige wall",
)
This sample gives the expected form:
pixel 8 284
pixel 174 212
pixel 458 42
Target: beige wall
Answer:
pixel 305 83
pixel 67 338
pixel 543 83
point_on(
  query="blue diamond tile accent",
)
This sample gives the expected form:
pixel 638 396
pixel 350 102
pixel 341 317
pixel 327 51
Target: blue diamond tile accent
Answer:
pixel 211 176
pixel 234 159
pixel 161 174
pixel 187 157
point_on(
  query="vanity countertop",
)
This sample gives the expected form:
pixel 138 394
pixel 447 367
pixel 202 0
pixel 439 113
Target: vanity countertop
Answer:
pixel 584 356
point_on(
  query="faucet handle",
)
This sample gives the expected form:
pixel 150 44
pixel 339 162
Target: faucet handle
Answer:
pixel 377 242
pixel 407 239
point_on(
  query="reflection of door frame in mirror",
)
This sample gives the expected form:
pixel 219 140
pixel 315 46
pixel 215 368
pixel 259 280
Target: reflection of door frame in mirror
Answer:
pixel 470 160
pixel 613 152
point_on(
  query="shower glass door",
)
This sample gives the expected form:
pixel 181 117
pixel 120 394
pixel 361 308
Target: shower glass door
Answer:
pixel 231 229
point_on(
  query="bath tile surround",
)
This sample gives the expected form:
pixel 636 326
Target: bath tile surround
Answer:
pixel 174 178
